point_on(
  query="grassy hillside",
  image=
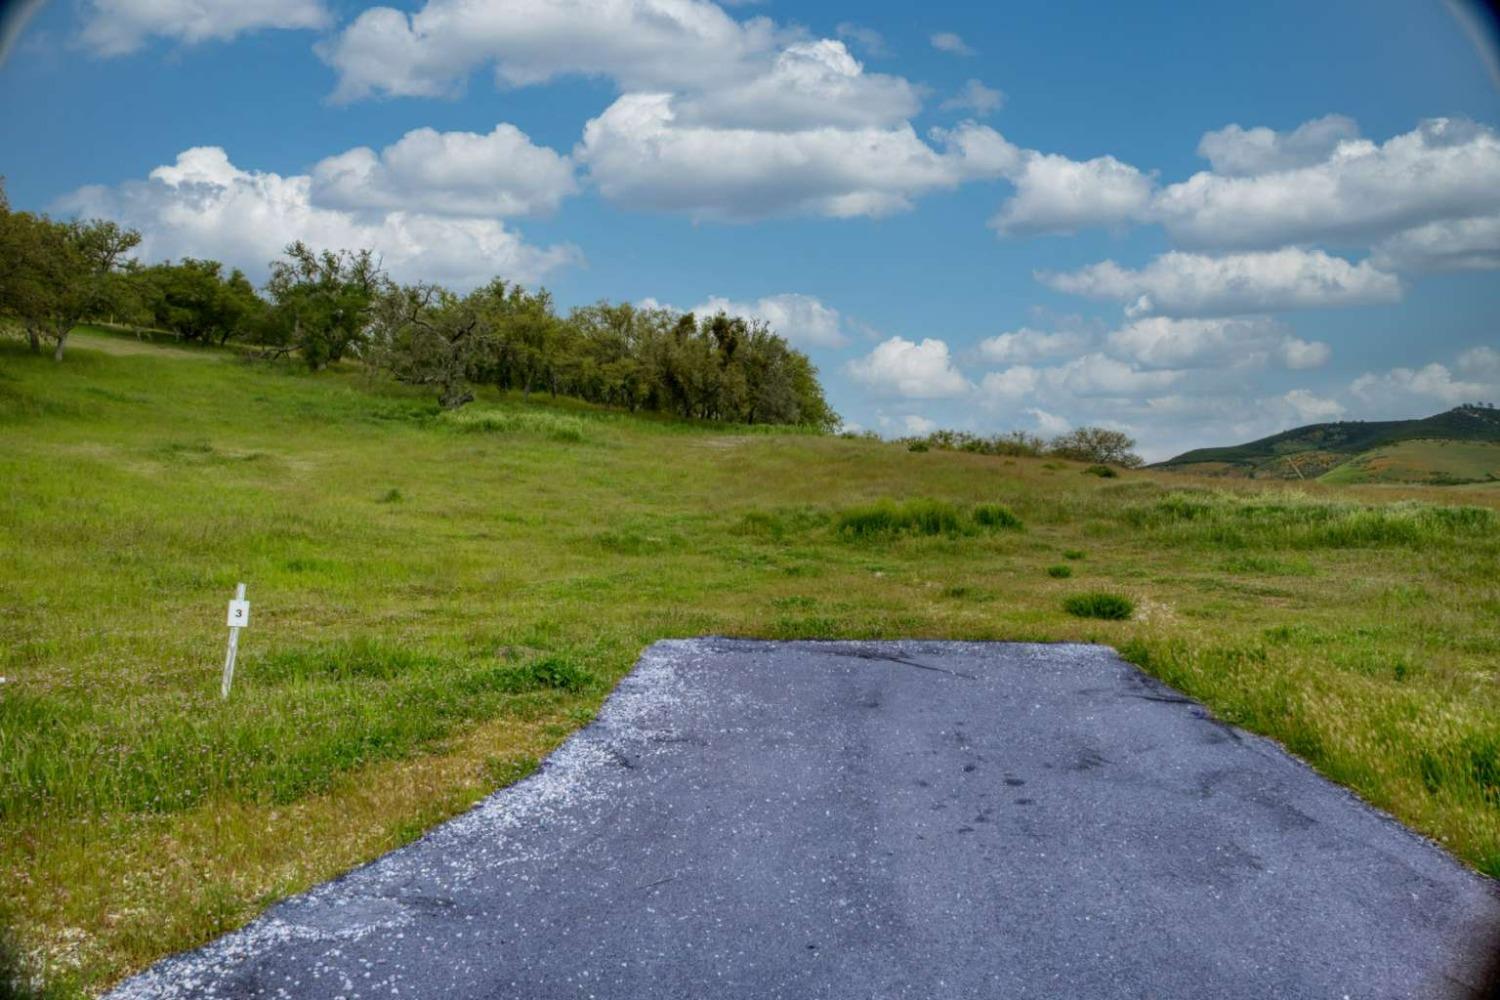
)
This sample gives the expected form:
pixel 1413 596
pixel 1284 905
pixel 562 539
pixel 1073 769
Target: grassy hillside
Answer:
pixel 1309 452
pixel 1436 462
pixel 437 602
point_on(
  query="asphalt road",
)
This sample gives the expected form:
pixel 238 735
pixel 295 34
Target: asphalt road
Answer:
pixel 881 820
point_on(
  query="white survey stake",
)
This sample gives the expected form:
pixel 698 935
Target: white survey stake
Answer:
pixel 239 617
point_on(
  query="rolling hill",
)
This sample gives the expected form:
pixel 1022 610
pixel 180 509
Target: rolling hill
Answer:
pixel 1461 445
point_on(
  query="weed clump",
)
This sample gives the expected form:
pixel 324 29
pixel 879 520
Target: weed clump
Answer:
pixel 1060 572
pixel 996 517
pixel 886 518
pixel 1073 554
pixel 557 426
pixel 1101 470
pixel 1111 607
pixel 554 672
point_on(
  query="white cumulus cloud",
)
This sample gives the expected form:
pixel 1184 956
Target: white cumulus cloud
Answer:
pixel 1083 377
pixel 900 367
pixel 1310 408
pixel 640 44
pixel 1228 342
pixel 1480 363
pixel 1027 345
pixel 1057 195
pixel 641 155
pixel 116 27
pixel 810 84
pixel 1452 245
pixel 1184 284
pixel 1430 384
pixel 1443 169
pixel 1240 152
pixel 501 173
pixel 202 205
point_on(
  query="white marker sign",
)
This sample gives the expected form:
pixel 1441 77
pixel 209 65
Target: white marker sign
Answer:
pixel 239 617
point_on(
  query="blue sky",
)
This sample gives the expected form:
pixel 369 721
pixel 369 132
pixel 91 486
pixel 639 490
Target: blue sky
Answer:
pixel 1200 224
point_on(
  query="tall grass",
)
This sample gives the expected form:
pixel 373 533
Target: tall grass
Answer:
pixel 889 518
pixel 557 426
pixel 885 518
pixel 1291 521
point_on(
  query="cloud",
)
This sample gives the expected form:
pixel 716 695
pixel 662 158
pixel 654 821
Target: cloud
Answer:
pixel 947 41
pixel 1453 245
pixel 1049 424
pixel 918 425
pixel 1232 342
pixel 1424 200
pixel 1101 375
pixel 900 367
pixel 1184 284
pixel 448 173
pixel 1086 376
pixel 1442 170
pixel 867 40
pixel 117 27
pixel 1026 345
pixel 1014 383
pixel 641 155
pixel 976 97
pixel 1432 383
pixel 1481 363
pixel 1057 195
pixel 640 44
pixel 801 319
pixel 1310 408
pixel 1238 152
pixel 202 205
pixel 810 84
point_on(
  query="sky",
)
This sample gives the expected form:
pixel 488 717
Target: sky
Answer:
pixel 1200 224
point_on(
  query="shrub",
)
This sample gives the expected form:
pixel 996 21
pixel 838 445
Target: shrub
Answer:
pixel 917 446
pixel 1102 471
pixel 1060 572
pixel 1099 605
pixel 995 516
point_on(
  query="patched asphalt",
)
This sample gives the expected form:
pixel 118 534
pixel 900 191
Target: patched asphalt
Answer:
pixel 882 820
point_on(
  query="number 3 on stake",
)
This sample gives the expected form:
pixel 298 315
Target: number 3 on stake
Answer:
pixel 239 617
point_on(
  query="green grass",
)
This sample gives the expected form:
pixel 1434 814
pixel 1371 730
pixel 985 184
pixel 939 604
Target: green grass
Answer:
pixel 557 426
pixel 438 601
pixel 1437 462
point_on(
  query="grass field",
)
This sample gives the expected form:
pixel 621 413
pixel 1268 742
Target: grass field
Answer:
pixel 439 601
pixel 1439 462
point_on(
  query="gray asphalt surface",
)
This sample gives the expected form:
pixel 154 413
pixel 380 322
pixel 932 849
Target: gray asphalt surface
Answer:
pixel 880 820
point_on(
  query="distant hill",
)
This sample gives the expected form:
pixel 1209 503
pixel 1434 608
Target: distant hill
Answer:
pixel 1461 445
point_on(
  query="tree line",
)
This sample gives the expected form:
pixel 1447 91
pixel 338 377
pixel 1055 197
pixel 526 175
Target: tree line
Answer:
pixel 325 306
pixel 1081 444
